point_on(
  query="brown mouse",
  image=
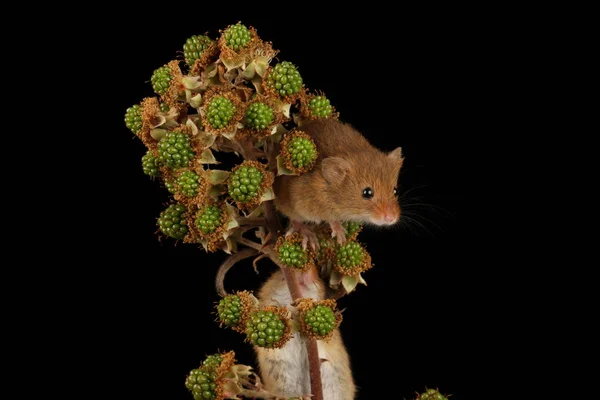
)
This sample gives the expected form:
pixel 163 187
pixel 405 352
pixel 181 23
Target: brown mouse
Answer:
pixel 285 371
pixel 351 181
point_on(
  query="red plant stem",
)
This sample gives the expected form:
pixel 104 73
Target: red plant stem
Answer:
pixel 314 361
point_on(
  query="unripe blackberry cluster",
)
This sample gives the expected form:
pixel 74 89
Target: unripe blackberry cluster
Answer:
pixel 285 79
pixel 351 258
pixel 187 183
pixel 319 106
pixel 220 111
pixel 230 310
pixel 209 218
pixel 150 164
pixel 290 252
pixel 175 150
pixel 172 221
pixel 268 327
pixel 352 229
pixel 299 152
pixel 194 47
pixel 201 382
pixel 431 394
pixel 321 320
pixel 258 116
pixel 133 118
pixel 245 182
pixel 237 36
pixel 161 79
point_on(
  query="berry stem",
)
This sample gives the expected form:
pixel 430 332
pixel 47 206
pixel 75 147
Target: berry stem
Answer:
pixel 226 266
pixel 251 221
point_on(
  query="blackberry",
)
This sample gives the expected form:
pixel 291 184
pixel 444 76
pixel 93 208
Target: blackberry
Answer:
pixel 320 320
pixel 175 150
pixel 292 255
pixel 259 116
pixel 161 79
pixel 285 79
pixel 172 221
pixel 201 382
pixel 302 152
pixel 237 36
pixel 194 47
pixel 220 111
pixel 150 164
pixel 187 183
pixel 133 118
pixel 244 183
pixel 267 328
pixel 319 106
pixel 431 394
pixel 209 219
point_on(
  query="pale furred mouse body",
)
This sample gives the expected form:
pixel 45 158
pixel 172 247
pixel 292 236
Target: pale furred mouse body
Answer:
pixel 285 371
pixel 351 181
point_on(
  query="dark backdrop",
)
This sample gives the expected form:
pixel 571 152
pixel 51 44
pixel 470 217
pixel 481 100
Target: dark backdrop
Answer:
pixel 421 81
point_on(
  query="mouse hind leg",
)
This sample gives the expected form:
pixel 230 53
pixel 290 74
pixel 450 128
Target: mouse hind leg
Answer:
pixel 308 236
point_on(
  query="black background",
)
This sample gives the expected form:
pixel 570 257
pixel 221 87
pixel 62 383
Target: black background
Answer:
pixel 429 315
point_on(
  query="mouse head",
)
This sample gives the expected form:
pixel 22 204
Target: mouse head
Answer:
pixel 365 186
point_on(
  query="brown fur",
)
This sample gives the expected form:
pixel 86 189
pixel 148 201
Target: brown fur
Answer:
pixel 311 197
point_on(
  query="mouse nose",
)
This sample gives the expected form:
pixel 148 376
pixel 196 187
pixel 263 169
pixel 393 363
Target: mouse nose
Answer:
pixel 390 218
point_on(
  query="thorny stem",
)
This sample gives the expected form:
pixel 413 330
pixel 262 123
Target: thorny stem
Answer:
pixel 314 361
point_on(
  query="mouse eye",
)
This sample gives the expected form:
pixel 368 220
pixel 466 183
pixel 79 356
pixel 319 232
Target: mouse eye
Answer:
pixel 395 191
pixel 367 193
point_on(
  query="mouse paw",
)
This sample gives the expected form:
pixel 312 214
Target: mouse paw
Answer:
pixel 338 232
pixel 308 236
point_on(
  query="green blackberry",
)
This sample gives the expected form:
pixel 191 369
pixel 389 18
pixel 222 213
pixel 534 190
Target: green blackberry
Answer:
pixel 150 164
pixel 220 111
pixel 230 310
pixel 172 221
pixel 319 106
pixel 201 382
pixel 194 47
pixel 170 185
pixel 187 183
pixel 302 152
pixel 164 107
pixel 351 258
pixel 161 79
pixel 259 116
pixel 237 36
pixel 352 227
pixel 133 118
pixel 285 79
pixel 244 183
pixel 266 328
pixel 175 150
pixel 321 320
pixel 292 255
pixel 209 219
pixel 212 362
pixel 431 394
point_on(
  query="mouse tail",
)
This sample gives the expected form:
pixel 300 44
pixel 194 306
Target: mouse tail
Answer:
pixel 226 266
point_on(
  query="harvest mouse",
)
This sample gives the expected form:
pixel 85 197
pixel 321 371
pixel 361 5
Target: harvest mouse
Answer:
pixel 351 181
pixel 285 371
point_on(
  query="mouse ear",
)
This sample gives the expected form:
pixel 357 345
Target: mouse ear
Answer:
pixel 334 169
pixel 396 155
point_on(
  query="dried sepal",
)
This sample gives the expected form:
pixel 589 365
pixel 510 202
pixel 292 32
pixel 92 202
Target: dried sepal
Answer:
pixel 209 56
pixel 298 152
pixel 176 90
pixel 291 254
pixel 221 376
pixel 305 305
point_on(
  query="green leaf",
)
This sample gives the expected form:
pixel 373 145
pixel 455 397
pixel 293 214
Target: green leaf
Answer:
pixel 262 63
pixel 216 191
pixel 191 82
pixel 196 101
pixel 249 71
pixel 218 176
pixel 361 280
pixel 235 62
pixel 349 283
pixel 281 169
